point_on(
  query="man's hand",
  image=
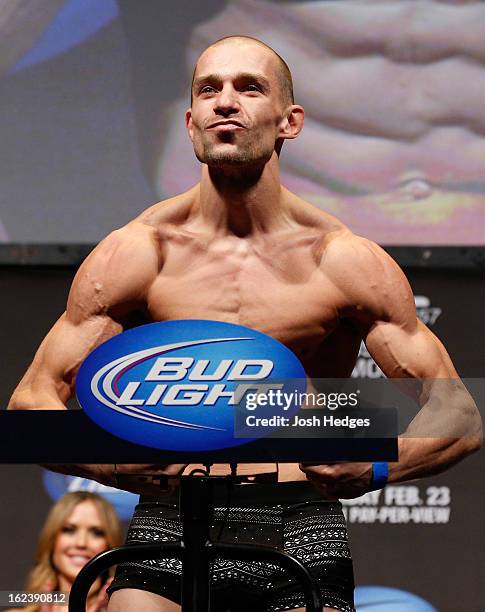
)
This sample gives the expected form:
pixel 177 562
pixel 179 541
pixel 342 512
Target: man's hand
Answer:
pixel 341 480
pixel 143 479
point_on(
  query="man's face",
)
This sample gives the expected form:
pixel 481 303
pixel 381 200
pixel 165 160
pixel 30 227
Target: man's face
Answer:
pixel 237 109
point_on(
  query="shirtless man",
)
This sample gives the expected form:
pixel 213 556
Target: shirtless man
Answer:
pixel 238 247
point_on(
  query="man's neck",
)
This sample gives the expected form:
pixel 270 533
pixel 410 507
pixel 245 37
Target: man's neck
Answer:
pixel 243 201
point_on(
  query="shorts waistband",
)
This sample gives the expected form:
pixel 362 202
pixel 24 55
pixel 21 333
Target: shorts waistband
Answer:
pixel 287 493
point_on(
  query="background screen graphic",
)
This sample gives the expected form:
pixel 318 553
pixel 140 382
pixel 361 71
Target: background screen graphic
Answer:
pixel 94 94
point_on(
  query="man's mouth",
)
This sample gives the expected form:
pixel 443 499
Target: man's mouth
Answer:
pixel 226 125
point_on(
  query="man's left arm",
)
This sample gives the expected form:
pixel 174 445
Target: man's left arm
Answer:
pixel 448 426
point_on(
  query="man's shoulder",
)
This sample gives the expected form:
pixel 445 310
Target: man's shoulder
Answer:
pixel 145 231
pixel 120 268
pixel 371 283
pixel 365 276
pixel 358 261
pixel 343 248
pixel 173 210
pixel 134 241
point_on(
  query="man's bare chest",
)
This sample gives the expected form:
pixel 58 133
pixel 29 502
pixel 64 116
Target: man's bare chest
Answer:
pixel 280 293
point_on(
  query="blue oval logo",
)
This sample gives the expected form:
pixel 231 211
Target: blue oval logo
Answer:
pixel 176 385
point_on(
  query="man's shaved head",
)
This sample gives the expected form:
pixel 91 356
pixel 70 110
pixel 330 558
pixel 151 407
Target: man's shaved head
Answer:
pixel 283 72
pixel 244 84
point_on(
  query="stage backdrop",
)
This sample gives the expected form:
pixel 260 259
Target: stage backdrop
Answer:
pixel 93 95
pixel 424 538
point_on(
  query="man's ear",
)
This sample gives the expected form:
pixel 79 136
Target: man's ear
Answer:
pixel 292 123
pixel 188 123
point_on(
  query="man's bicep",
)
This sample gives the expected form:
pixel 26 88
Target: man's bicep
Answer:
pixel 49 381
pixel 408 351
pixel 116 276
pixel 110 284
pixel 382 307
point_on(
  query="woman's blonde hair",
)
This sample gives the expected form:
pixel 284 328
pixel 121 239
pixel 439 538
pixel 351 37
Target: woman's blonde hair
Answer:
pixel 43 575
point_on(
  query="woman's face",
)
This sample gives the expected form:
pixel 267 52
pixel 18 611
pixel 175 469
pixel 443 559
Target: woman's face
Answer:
pixel 81 538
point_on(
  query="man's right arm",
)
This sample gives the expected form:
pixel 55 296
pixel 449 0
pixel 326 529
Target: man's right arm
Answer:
pixel 109 286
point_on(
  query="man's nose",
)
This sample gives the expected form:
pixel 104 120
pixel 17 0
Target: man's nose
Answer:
pixel 226 102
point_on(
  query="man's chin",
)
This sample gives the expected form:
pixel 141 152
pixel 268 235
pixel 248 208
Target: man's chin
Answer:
pixel 229 162
pixel 231 158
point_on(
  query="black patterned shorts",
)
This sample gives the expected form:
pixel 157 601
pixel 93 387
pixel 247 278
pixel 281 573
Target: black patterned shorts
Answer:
pixel 289 516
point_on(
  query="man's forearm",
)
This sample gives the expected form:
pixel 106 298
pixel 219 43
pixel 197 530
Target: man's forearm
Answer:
pixel 25 397
pixel 446 430
pixel 136 478
pixel 420 457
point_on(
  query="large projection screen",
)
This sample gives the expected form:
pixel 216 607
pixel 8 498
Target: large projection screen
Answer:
pixel 93 95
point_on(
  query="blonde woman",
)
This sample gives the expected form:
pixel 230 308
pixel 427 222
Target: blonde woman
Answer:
pixel 79 526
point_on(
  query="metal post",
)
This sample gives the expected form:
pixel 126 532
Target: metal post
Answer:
pixel 195 516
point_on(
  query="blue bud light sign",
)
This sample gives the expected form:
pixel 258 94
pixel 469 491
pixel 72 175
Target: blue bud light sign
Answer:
pixel 175 385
